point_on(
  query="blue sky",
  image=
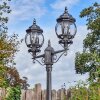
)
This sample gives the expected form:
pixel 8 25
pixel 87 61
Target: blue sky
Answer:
pixel 46 12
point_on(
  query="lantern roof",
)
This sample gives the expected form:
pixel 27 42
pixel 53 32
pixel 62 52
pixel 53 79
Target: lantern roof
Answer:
pixel 34 28
pixel 66 17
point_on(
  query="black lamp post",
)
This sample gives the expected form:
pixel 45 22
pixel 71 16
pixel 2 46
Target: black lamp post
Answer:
pixel 65 30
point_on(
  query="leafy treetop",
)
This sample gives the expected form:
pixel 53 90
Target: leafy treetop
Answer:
pixel 89 59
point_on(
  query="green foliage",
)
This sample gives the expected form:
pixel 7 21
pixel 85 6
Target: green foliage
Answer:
pixel 93 16
pixel 89 60
pixel 94 93
pixel 84 92
pixel 79 94
pixel 4 10
pixel 65 97
pixel 2 80
pixel 13 93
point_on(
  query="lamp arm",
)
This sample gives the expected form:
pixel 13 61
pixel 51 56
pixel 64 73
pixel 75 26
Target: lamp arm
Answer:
pixel 59 51
pixel 62 53
pixel 55 52
pixel 39 62
pixel 59 57
pixel 39 56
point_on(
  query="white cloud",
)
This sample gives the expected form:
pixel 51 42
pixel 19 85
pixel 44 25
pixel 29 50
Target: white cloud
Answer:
pixel 63 71
pixel 26 9
pixel 60 4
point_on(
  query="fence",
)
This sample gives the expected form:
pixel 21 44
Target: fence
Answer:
pixel 37 94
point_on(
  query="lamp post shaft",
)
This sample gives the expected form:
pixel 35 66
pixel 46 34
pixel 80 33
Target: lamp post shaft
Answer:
pixel 49 82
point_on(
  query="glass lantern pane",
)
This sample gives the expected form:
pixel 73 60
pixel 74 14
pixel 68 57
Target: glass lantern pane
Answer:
pixel 27 39
pixel 33 37
pixel 69 28
pixel 41 39
pixel 66 27
pixel 72 29
pixel 36 39
pixel 59 28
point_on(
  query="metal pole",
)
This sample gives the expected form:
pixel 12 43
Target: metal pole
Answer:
pixel 49 82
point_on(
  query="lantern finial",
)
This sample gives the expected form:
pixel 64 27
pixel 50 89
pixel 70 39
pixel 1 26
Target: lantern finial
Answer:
pixel 34 21
pixel 49 43
pixel 66 10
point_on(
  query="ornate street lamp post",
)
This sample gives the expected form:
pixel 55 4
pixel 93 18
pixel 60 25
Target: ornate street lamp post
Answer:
pixel 65 30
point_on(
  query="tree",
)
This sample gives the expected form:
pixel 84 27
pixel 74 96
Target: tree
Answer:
pixel 9 75
pixel 89 59
pixel 4 10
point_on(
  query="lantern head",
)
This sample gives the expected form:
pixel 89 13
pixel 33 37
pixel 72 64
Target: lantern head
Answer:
pixel 65 28
pixel 34 38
